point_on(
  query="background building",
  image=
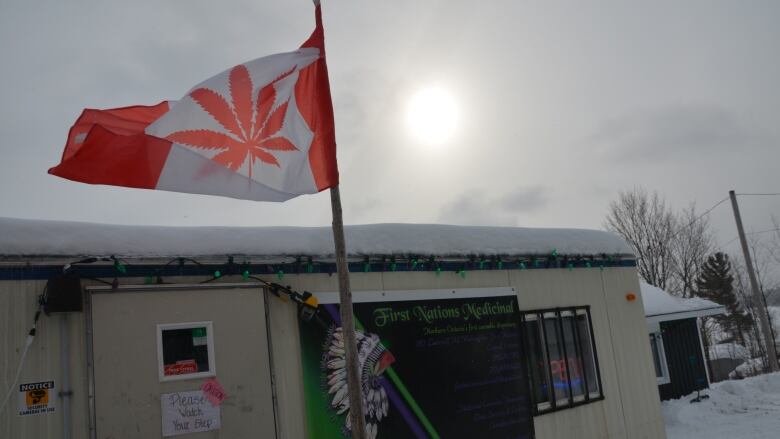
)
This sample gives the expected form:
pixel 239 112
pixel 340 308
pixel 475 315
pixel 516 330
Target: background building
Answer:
pixel 675 340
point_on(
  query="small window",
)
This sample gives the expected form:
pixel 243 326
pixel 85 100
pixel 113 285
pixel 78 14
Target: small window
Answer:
pixel 185 351
pixel 561 358
pixel 659 358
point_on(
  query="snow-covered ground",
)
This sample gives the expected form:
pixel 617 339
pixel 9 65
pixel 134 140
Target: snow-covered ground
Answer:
pixel 748 409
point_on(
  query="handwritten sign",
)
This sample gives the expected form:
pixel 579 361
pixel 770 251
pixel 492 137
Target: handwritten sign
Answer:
pixel 188 412
pixel 213 391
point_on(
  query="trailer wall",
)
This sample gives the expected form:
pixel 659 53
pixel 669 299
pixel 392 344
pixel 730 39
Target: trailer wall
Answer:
pixel 630 408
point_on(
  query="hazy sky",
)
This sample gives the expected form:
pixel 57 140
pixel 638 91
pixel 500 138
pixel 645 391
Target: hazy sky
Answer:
pixel 561 104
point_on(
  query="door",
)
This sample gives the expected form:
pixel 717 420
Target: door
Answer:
pixel 154 347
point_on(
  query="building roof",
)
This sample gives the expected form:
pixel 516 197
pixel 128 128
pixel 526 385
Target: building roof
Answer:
pixel 25 238
pixel 661 306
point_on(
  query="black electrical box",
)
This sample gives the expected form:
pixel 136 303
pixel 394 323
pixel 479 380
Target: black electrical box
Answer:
pixel 63 294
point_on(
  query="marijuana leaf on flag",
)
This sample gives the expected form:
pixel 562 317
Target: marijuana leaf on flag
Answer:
pixel 262 130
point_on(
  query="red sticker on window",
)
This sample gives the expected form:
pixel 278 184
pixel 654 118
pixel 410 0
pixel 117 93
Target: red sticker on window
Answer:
pixel 181 368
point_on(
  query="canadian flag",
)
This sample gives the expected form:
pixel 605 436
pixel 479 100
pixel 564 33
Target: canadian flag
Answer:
pixel 262 130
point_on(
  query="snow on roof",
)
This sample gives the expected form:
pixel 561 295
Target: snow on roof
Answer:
pixel 658 302
pixel 23 237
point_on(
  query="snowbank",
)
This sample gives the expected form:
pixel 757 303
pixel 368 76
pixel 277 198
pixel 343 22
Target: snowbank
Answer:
pixel 658 302
pixel 748 408
pixel 749 368
pixel 20 237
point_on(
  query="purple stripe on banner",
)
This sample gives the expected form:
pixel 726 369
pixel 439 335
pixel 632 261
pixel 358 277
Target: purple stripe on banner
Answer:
pixel 392 394
pixel 410 419
pixel 334 313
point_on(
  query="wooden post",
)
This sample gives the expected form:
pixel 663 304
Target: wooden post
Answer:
pixel 354 386
pixel 766 331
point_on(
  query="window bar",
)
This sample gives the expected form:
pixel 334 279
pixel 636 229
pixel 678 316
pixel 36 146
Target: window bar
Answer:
pixel 580 356
pixel 529 373
pixel 562 341
pixel 595 354
pixel 550 383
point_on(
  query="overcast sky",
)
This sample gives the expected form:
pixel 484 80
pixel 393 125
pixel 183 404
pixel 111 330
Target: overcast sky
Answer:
pixel 561 104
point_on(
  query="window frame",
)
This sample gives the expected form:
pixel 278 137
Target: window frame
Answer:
pixel 209 349
pixel 560 316
pixel 657 340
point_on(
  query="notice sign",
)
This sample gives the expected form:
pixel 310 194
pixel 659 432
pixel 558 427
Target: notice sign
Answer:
pixel 36 398
pixel 188 412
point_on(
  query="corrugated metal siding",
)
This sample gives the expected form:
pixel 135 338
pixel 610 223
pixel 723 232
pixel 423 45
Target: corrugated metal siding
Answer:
pixel 18 303
pixel 684 359
pixel 633 359
pixel 630 408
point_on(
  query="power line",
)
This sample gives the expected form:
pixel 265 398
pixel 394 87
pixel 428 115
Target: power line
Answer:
pixel 762 194
pixel 751 233
pixel 699 217
pixel 769 194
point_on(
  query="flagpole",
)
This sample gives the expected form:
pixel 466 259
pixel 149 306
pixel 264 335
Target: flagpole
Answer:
pixel 357 419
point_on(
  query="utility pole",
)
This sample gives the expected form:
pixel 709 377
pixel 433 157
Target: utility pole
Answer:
pixel 757 298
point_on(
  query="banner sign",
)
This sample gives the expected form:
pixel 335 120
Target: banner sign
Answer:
pixel 37 398
pixel 434 364
pixel 188 412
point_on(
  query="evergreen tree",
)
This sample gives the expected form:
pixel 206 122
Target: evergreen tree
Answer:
pixel 716 283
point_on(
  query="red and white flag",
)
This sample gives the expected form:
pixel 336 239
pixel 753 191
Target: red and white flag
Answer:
pixel 262 130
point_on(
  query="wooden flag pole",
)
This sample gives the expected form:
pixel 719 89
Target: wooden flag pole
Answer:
pixel 355 389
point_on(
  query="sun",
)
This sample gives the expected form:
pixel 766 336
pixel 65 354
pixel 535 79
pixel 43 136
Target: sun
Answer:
pixel 432 115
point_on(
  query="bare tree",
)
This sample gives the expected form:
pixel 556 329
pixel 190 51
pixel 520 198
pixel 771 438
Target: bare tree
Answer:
pixel 753 339
pixel 763 264
pixel 648 225
pixel 690 246
pixel 774 246
pixel 764 268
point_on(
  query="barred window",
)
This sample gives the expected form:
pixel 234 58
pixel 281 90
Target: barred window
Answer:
pixel 562 359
